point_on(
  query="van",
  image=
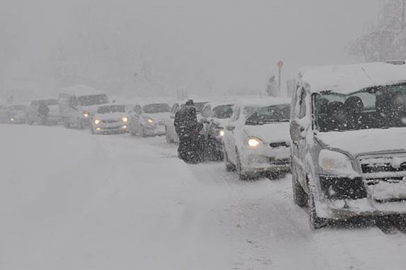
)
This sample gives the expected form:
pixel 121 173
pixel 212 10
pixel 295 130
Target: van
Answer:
pixel 78 104
pixel 348 147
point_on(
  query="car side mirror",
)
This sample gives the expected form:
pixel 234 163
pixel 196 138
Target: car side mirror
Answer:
pixel 230 127
pixel 296 131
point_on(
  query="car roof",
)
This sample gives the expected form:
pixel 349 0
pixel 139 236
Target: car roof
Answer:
pixel 346 79
pixel 263 102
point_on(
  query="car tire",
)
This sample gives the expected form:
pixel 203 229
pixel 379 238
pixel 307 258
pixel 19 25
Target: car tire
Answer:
pixel 229 166
pixel 315 221
pixel 241 175
pixel 299 195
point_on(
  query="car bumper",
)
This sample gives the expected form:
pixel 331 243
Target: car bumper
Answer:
pixel 266 164
pixel 156 130
pixel 110 129
pixel 343 198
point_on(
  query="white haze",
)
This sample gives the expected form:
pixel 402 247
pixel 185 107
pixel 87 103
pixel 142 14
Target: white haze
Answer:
pixel 204 47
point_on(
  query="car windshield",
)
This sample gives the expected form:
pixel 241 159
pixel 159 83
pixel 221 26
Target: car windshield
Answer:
pixel 374 107
pixel 223 111
pixel 269 114
pixel 18 108
pixel 111 109
pixel 157 108
pixel 48 102
pixel 199 106
pixel 92 100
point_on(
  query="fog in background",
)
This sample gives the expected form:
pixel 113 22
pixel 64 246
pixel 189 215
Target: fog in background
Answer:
pixel 156 47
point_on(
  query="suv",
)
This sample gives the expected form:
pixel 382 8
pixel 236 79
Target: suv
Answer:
pixel 348 150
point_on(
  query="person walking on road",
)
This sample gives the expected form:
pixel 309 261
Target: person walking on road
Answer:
pixel 188 129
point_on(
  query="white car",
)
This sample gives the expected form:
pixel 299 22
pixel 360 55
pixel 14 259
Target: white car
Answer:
pixel 110 118
pixel 256 140
pixel 17 114
pixel 149 120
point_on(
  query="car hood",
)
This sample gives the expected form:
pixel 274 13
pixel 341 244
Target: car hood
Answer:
pixel 106 116
pixel 221 122
pixel 157 116
pixel 365 141
pixel 90 109
pixel 274 132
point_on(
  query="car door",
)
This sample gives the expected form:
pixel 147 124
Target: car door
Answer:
pixel 299 147
pixel 229 135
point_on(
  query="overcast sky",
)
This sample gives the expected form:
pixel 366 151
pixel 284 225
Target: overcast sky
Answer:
pixel 231 43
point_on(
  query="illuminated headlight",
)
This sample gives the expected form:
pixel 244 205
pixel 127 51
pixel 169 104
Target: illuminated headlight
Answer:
pixel 124 119
pixel 149 120
pixel 254 142
pixel 335 162
pixel 12 119
pixel 221 133
pixel 86 114
pixel 124 127
pixel 97 121
pixel 98 129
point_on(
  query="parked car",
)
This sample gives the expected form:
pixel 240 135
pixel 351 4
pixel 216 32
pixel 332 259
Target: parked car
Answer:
pixel 217 115
pixel 348 133
pixel 110 118
pixel 171 136
pixel 33 116
pixel 17 114
pixel 4 114
pixel 149 119
pixel 256 140
pixel 78 104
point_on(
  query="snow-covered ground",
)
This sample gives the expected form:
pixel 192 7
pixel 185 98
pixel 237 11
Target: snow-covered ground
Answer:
pixel 71 200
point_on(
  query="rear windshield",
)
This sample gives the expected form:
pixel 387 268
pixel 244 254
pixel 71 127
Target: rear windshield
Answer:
pixel 92 100
pixel 157 108
pixel 111 109
pixel 48 102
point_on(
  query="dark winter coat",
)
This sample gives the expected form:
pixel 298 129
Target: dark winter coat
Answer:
pixel 186 123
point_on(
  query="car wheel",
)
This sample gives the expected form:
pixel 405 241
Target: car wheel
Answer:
pixel 241 175
pixel 299 195
pixel 168 139
pixel 229 166
pixel 315 221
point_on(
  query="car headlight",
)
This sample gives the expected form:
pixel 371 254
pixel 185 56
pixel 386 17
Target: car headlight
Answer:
pixel 221 133
pixel 335 162
pixel 149 120
pixel 97 121
pixel 124 119
pixel 86 114
pixel 254 142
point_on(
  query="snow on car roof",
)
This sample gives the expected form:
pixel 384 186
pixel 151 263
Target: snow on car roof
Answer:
pixel 346 79
pixel 262 102
pixel 80 90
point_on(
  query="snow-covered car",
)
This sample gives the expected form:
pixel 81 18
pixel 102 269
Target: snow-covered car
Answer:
pixel 256 140
pixel 217 114
pixel 348 130
pixel 78 104
pixel 17 114
pixel 110 118
pixel 53 118
pixel 149 119
pixel 171 136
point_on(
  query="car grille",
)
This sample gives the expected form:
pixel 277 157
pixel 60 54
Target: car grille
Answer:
pixel 281 161
pixel 279 144
pixel 109 121
pixel 390 168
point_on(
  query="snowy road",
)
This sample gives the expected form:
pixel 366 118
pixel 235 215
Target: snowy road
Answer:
pixel 70 200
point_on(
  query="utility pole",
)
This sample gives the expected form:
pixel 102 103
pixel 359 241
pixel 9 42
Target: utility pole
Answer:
pixel 280 64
